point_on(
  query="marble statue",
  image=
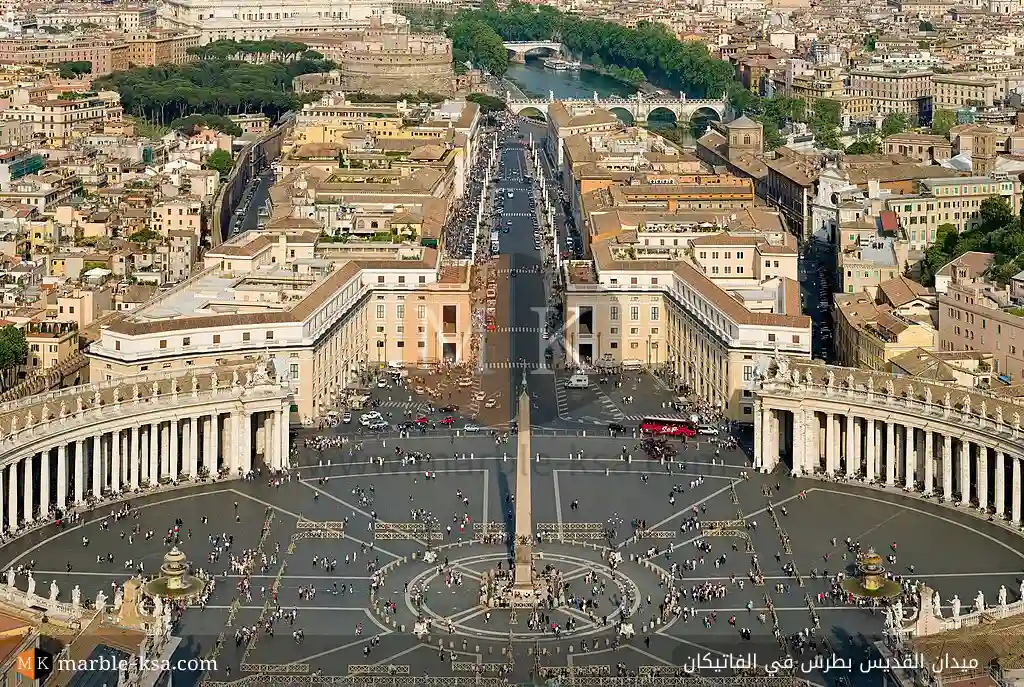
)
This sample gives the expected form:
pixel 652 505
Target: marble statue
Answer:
pixel 261 376
pixel 158 607
pixel 999 415
pixel 195 383
pixel 979 601
pixel 850 381
pixel 937 604
pixel 890 387
pixel 983 410
pixel 156 390
pixel 76 596
pixel 97 400
pixel 14 425
pixel 79 405
pixel 234 377
pixel 101 601
pixel 897 612
pixel 10 578
pixel 966 404
pixel 871 384
pixel 31 584
pixel 54 590
pixel 910 393
pixel 796 376
pixel 117 394
pixel 955 602
pixel 831 377
pixel 214 381
pixel 135 392
pixel 30 419
pixel 1002 596
pixel 175 387
pixel 1016 421
pixel 781 367
pixel 248 378
pixel 63 411
pixel 118 599
pixel 44 414
pixel 928 395
pixel 947 401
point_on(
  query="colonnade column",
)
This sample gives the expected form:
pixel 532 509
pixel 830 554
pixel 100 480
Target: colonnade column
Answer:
pixel 947 468
pixel 236 434
pixel 62 476
pixel 44 484
pixel 965 473
pixel 758 434
pixel 135 449
pixel 852 447
pixel 1000 483
pixel 97 463
pixel 12 497
pixel 890 454
pixel 115 461
pixel 79 471
pixel 910 458
pixel 210 460
pixel 172 461
pixel 193 446
pixel 1015 508
pixel 154 453
pixel 165 450
pixel 29 485
pixel 812 449
pixel 983 478
pixel 929 462
pixel 283 416
pixel 831 443
pixel 869 460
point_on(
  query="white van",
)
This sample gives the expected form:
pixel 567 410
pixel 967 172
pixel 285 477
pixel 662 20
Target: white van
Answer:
pixel 577 381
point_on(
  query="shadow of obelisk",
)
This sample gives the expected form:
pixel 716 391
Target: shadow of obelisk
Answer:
pixel 523 586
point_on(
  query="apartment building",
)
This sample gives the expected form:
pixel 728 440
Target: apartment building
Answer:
pixel 926 148
pixel 869 335
pixel 957 91
pixel 891 91
pixel 156 46
pixel 48 344
pixel 111 18
pixel 566 120
pixel 105 54
pixel 705 295
pixel 333 311
pixel 59 120
pixel 864 267
pixel 954 200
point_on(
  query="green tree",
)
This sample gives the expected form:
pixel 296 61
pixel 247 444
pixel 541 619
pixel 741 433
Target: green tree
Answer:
pixel 488 103
pixel 742 100
pixel 74 68
pixel 221 161
pixel 942 122
pixel 824 124
pixel 894 123
pixel 144 236
pixel 925 26
pixel 13 352
pixel 997 230
pixel 864 146
pixel 193 123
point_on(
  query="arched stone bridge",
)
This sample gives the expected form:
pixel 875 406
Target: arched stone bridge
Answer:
pixel 518 50
pixel 639 108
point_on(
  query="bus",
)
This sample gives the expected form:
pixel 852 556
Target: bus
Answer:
pixel 669 426
pixel 495 243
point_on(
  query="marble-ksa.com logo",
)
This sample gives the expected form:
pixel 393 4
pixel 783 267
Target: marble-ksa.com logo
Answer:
pixel 34 664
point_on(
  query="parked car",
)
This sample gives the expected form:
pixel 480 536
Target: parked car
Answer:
pixel 448 421
pixel 378 425
pixel 449 409
pixel 469 427
pixel 616 427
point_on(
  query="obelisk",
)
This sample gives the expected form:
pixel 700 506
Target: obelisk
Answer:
pixel 523 586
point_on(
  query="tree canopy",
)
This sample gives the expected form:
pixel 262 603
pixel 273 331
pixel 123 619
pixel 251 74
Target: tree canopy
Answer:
pixel 13 349
pixel 230 49
pixel 998 231
pixel 824 124
pixel 864 146
pixel 650 48
pixel 943 121
pixel 488 103
pixel 894 123
pixel 775 113
pixel 221 161
pixel 166 93
pixel 477 42
pixel 193 123
pixel 74 68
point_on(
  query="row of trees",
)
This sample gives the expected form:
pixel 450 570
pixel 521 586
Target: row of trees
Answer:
pixel 649 48
pixel 166 93
pixel 268 50
pixel 999 231
pixel 72 69
pixel 193 123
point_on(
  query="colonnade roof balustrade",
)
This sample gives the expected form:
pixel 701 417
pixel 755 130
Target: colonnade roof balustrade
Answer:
pixel 117 403
pixel 972 410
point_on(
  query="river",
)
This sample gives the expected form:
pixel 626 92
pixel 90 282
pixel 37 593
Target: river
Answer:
pixel 537 81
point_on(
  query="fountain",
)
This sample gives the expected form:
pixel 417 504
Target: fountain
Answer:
pixel 175 582
pixel 871 582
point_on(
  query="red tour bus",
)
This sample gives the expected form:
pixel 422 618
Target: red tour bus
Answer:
pixel 668 426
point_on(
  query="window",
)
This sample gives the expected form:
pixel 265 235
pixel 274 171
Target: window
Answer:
pixel 634 331
pixel 421 312
pixel 654 281
pixel 216 338
pixel 401 312
pixel 401 279
pixel 380 330
pixel 421 344
pixel 186 340
pixel 380 278
pixel 380 312
pixel 270 335
pixel 245 336
pixel 796 338
pixel 634 313
pixel 117 345
pixel 771 337
pixel 613 313
pixel 423 279
pixel 748 373
pixel 293 370
pixel 401 344
pixel 739 255
pixel 163 343
pixel 632 281
pixel 634 345
pixel 654 313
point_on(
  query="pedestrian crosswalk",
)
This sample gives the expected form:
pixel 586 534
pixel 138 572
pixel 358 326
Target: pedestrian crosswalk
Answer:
pixel 520 270
pixel 517 214
pixel 515 365
pixel 516 330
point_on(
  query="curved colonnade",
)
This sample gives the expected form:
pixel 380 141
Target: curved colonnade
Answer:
pixel 124 436
pixel 964 445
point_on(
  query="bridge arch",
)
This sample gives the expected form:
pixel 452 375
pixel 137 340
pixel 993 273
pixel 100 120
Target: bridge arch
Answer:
pixel 540 50
pixel 662 113
pixel 706 112
pixel 624 115
pixel 533 112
